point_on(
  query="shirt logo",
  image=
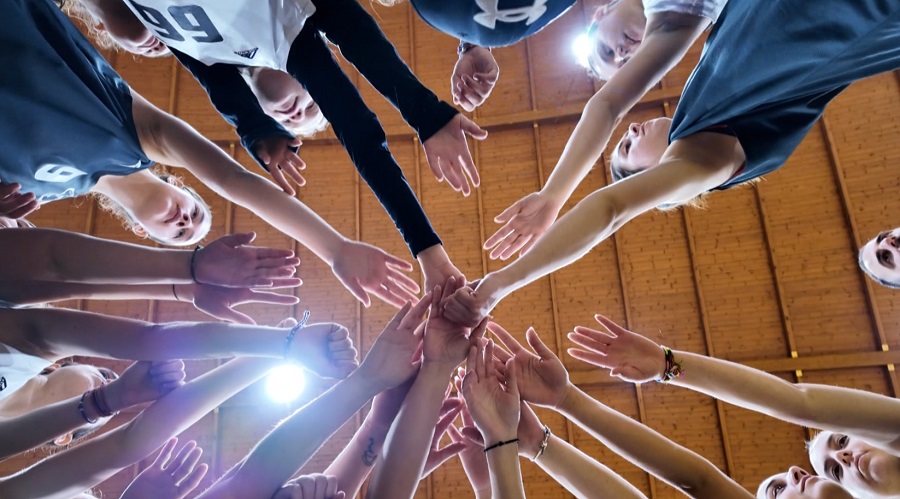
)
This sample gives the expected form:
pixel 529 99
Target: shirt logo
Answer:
pixel 247 54
pixel 54 196
pixel 491 13
pixel 57 173
pixel 2 383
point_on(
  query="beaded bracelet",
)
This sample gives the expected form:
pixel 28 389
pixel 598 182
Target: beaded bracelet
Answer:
pixel 674 369
pixel 501 444
pixel 289 339
pixel 81 409
pixel 194 263
pixel 544 443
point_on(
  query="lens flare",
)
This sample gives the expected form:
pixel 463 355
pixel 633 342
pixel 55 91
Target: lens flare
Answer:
pixel 285 383
pixel 581 47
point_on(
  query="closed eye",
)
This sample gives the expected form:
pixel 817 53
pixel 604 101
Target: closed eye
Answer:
pixel 885 258
pixel 881 235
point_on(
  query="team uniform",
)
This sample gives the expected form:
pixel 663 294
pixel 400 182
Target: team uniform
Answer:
pixel 65 115
pixel 310 61
pixel 497 23
pixel 769 69
pixel 16 368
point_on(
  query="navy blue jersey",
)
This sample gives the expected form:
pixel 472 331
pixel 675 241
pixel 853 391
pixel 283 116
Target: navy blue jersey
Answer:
pixel 65 115
pixel 490 23
pixel 769 69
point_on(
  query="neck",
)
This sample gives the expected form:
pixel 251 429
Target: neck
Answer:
pixel 127 190
pixel 22 400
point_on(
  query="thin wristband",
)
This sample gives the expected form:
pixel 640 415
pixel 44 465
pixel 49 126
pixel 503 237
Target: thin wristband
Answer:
pixel 501 444
pixel 289 339
pixel 99 396
pixel 174 293
pixel 194 263
pixel 82 411
pixel 674 369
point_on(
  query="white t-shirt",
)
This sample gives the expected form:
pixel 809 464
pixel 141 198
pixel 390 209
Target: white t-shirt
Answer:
pixel 243 32
pixel 704 8
pixel 16 368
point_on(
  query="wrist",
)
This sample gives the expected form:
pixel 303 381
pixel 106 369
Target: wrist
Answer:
pixel 556 195
pixel 569 398
pixel 185 292
pixel 438 370
pixel 115 398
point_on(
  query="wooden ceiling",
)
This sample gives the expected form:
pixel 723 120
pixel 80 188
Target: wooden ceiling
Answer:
pixel 766 275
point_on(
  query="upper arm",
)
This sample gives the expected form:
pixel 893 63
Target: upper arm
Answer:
pixel 663 46
pixel 690 167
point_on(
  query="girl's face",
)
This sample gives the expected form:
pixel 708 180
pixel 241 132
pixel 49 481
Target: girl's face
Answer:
pixel 881 255
pixel 284 99
pixel 796 483
pixel 643 145
pixel 616 34
pixel 861 468
pixel 171 215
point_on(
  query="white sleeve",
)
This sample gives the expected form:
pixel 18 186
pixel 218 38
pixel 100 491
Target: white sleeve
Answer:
pixel 703 8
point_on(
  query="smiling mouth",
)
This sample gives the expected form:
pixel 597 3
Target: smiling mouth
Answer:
pixel 175 215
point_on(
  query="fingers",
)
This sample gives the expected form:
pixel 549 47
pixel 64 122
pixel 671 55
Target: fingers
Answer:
pixel 14 204
pixel 193 480
pixel 471 363
pixel 479 361
pixel 416 313
pixel 395 261
pixel 512 384
pixel 405 281
pixel 505 338
pixel 270 298
pixel 498 237
pixel 165 454
pixel 287 323
pixel 472 129
pixel 588 342
pixel 356 289
pixel 241 239
pixel 291 168
pixel 187 459
pixel 515 246
pixel 614 329
pixel 278 176
pixel 478 331
pixel 285 282
pixel 398 318
pixel 539 347
pixel 590 357
pixel 472 434
pixel 488 361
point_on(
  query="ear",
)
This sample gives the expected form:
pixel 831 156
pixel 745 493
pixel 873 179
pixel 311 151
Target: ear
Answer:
pixel 139 231
pixel 174 180
pixel 63 440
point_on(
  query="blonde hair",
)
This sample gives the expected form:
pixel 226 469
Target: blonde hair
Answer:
pixel 78 12
pixel 389 3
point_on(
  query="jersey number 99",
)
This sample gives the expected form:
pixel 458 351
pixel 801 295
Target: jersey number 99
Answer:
pixel 192 20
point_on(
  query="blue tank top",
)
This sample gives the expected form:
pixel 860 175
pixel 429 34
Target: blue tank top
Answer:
pixel 65 115
pixel 490 23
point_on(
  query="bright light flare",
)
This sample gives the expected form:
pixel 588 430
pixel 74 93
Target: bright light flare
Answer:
pixel 581 47
pixel 285 383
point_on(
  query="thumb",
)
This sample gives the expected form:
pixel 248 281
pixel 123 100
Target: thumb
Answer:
pixel 240 239
pixel 508 213
pixel 471 128
pixel 356 289
pixel 512 385
pixel 296 142
pixel 165 454
pixel 537 345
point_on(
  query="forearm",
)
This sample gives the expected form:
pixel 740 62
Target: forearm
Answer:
pixel 286 448
pixel 69 473
pixel 361 134
pixel 61 333
pixel 56 255
pixel 406 448
pixel 816 406
pixel 582 150
pixel 347 24
pixel 173 142
pixel 506 474
pixel 568 239
pixel 36 292
pixel 353 465
pixel 581 475
pixel 654 453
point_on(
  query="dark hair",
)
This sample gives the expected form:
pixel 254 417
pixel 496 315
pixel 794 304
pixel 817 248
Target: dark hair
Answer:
pixel 865 268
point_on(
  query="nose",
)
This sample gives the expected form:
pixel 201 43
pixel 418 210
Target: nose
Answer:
pixel 185 220
pixel 634 128
pixel 892 240
pixel 845 457
pixel 796 474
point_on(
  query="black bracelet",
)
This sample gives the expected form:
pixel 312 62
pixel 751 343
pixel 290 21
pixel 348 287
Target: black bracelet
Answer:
pixel 174 293
pixel 81 409
pixel 289 339
pixel 194 263
pixel 99 396
pixel 501 444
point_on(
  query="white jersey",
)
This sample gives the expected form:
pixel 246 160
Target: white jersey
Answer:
pixel 703 8
pixel 16 368
pixel 242 32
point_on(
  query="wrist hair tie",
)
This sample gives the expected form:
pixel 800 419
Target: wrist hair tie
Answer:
pixel 501 444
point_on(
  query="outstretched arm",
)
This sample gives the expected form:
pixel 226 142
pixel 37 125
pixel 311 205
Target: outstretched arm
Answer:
pixel 689 167
pixel 68 473
pixel 543 380
pixel 141 382
pixel 667 38
pixel 360 268
pixel 280 453
pixel 55 333
pixel 633 357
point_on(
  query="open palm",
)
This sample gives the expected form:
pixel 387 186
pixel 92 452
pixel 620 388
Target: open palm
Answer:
pixel 542 376
pixel 628 355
